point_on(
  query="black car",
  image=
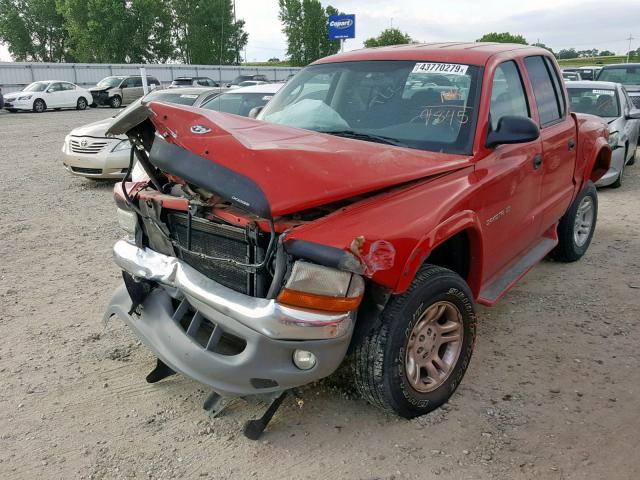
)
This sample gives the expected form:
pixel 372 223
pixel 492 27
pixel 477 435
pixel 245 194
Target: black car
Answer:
pixel 181 82
pixel 628 74
pixel 244 78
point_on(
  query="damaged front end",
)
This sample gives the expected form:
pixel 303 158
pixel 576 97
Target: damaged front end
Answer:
pixel 211 285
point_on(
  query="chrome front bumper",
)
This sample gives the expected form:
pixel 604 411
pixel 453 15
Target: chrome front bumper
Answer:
pixel 267 317
pixel 272 332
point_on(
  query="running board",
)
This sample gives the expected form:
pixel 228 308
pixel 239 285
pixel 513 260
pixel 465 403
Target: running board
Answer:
pixel 496 290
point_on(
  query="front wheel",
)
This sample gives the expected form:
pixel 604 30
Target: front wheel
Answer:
pixel 413 361
pixel 82 104
pixel 577 226
pixel 115 101
pixel 39 106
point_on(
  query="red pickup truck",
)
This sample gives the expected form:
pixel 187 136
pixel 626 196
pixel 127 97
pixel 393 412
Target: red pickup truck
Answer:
pixel 376 198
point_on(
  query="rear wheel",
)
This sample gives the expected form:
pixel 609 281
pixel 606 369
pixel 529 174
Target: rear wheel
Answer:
pixel 82 103
pixel 39 106
pixel 618 181
pixel 115 101
pixel 414 360
pixel 576 227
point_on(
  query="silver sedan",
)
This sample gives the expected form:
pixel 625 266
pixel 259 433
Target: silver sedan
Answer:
pixel 89 153
pixel 611 102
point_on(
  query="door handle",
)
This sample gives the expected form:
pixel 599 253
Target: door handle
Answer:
pixel 537 162
pixel 571 144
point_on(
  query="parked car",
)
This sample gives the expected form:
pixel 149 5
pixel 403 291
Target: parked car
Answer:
pixel 611 102
pixel 245 78
pixel 589 72
pixel 242 101
pixel 628 74
pixel 571 76
pixel 1 100
pixel 48 94
pixel 359 214
pixel 121 90
pixel 88 152
pixel 182 82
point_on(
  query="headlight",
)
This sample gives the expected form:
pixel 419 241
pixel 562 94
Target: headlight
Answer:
pixel 613 140
pixel 25 97
pixel 322 288
pixel 128 220
pixel 122 145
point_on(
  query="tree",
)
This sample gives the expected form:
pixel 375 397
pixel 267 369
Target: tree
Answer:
pixel 567 53
pixel 606 53
pixel 542 45
pixel 504 37
pixel 205 32
pixel 107 31
pixel 389 36
pixel 305 23
pixel 33 30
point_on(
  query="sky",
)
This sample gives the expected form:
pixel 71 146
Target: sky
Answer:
pixel 557 23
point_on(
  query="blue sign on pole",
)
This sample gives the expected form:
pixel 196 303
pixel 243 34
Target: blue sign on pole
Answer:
pixel 342 26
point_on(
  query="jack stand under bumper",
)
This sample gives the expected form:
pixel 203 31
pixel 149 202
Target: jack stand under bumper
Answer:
pixel 216 403
pixel 161 372
pixel 253 429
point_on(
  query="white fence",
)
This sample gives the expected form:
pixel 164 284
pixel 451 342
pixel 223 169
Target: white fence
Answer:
pixel 15 76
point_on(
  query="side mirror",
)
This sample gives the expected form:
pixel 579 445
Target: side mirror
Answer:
pixel 50 90
pixel 634 114
pixel 513 129
pixel 253 113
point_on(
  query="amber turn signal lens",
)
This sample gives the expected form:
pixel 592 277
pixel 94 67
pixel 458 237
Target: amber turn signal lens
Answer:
pixel 294 298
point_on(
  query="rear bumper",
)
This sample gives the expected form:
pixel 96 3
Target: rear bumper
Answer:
pixel 269 332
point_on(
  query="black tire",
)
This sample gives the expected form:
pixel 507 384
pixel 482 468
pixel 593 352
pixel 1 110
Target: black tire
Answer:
pixel 39 106
pixel 378 363
pixel 632 160
pixel 94 105
pixel 115 101
pixel 81 104
pixel 12 110
pixel 568 250
pixel 618 181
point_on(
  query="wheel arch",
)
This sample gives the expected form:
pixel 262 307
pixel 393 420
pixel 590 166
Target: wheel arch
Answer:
pixel 598 165
pixel 455 244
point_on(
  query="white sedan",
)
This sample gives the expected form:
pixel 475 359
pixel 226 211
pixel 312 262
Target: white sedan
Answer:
pixel 48 94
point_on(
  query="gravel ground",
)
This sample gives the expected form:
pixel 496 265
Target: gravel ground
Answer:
pixel 552 392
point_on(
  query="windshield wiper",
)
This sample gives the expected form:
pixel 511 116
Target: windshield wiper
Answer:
pixel 364 136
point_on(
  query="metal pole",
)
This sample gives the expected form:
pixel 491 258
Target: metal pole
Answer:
pixel 629 50
pixel 342 45
pixel 145 85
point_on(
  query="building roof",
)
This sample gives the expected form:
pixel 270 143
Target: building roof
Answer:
pixel 473 53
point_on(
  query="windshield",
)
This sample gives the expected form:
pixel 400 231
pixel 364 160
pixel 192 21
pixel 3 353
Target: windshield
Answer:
pixel 238 103
pixel 182 81
pixel 36 87
pixel 624 75
pixel 596 101
pixel 241 78
pixel 423 105
pixel 110 82
pixel 172 97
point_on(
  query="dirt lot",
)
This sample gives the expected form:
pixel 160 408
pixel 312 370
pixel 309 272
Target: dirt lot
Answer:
pixel 553 390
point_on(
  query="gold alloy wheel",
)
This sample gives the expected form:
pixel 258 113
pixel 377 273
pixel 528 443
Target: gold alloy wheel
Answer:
pixel 434 346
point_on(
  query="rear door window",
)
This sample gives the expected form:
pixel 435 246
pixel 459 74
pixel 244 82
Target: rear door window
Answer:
pixel 546 90
pixel 507 94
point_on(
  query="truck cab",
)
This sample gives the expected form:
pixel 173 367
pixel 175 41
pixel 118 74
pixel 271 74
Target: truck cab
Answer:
pixel 379 196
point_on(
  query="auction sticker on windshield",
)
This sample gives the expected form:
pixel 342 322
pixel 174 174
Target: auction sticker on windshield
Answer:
pixel 603 92
pixel 449 68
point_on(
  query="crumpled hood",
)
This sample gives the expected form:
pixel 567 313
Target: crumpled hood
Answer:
pixel 95 129
pixel 295 169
